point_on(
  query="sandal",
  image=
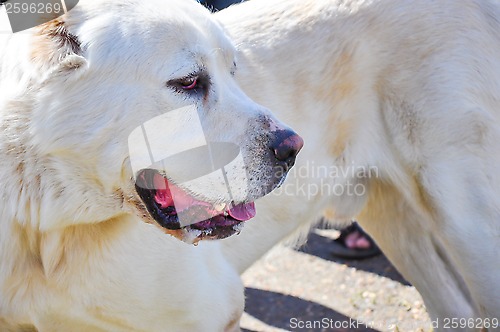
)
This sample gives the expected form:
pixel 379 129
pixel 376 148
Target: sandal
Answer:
pixel 341 250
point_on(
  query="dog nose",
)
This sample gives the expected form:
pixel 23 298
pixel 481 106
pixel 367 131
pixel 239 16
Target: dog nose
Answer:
pixel 286 146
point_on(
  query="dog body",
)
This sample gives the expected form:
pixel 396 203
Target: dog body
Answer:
pixel 405 93
pixel 80 248
pixel 401 95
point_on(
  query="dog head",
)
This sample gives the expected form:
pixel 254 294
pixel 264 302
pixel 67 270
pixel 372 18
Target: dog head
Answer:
pixel 137 111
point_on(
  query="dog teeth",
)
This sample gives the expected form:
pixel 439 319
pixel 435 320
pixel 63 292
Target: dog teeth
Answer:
pixel 219 207
pixel 207 231
pixel 191 235
pixel 238 228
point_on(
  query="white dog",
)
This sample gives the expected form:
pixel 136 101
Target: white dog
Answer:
pixel 77 248
pixel 404 97
pixel 400 96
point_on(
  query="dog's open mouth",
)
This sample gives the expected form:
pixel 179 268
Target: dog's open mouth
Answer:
pixel 168 205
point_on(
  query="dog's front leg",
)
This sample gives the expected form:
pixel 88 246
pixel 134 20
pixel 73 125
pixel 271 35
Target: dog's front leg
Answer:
pixel 409 240
pixel 466 197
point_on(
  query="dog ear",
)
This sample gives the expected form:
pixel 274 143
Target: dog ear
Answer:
pixel 57 48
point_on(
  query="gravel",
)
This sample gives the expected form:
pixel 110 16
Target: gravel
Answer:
pixel 308 289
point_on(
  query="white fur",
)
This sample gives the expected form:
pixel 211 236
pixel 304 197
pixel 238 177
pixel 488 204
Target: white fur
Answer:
pixel 409 88
pixel 77 251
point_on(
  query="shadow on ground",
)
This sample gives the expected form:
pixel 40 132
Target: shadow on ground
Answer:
pixel 274 309
pixel 318 246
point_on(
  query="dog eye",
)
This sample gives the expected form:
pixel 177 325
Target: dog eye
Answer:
pixel 193 84
pixel 188 83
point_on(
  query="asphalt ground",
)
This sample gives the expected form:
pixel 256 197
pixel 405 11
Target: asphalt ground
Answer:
pixel 308 289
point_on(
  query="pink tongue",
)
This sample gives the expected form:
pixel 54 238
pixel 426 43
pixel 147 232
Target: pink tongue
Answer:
pixel 163 196
pixel 168 194
pixel 243 212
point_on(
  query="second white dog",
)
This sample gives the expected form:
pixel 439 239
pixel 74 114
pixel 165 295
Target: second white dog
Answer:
pixel 401 99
